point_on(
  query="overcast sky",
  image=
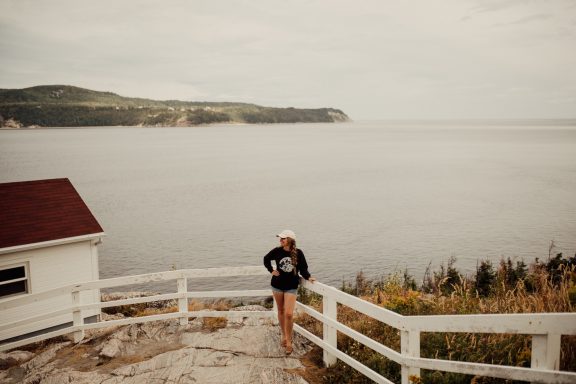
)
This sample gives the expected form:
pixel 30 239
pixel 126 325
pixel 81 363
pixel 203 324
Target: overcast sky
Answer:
pixel 372 59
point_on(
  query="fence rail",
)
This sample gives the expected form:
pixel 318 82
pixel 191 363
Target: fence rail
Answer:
pixel 182 295
pixel 546 329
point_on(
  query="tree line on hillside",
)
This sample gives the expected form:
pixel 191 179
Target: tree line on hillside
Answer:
pixel 79 115
pixel 287 115
pixel 69 106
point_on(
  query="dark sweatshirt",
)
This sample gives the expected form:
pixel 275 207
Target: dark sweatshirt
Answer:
pixel 287 278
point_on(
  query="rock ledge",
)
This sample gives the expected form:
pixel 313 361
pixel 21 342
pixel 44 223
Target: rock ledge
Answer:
pixel 244 350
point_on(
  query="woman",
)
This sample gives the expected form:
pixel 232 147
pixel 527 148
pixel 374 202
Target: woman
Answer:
pixel 289 261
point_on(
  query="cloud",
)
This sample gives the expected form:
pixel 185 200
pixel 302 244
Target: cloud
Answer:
pixel 527 19
pixel 371 59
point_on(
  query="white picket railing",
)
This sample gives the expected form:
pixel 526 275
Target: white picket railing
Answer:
pixel 546 329
pixel 182 295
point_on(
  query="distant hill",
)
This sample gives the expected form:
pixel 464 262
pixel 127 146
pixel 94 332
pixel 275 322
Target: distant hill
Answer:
pixel 68 106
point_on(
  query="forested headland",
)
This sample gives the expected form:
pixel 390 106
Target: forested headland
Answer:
pixel 68 106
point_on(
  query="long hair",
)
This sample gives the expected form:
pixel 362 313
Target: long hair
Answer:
pixel 293 252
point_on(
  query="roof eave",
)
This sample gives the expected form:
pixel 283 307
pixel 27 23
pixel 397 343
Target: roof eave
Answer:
pixel 51 243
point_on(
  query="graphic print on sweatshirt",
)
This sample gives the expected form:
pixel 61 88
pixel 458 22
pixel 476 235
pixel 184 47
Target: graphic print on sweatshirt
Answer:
pixel 286 264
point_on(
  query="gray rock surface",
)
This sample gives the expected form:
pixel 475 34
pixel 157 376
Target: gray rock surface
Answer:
pixel 245 350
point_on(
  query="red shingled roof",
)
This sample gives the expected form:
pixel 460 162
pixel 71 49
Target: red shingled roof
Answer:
pixel 42 210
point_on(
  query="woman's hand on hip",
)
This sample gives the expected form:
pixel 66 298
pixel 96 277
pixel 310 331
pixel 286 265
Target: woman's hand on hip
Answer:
pixel 312 279
pixel 275 273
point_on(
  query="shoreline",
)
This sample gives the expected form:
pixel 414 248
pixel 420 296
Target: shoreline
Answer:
pixel 165 126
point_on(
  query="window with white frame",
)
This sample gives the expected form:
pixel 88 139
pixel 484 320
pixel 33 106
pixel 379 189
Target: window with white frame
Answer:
pixel 13 280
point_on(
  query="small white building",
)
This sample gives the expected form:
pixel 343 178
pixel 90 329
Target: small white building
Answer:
pixel 48 239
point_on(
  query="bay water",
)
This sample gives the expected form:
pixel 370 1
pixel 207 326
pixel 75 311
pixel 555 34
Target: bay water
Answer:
pixel 378 197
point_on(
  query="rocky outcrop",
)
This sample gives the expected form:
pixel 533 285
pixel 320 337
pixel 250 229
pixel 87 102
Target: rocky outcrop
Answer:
pixel 244 350
pixel 338 116
pixel 11 123
pixel 11 359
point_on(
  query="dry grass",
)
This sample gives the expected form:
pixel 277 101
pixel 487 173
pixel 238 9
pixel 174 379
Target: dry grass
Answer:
pixel 313 372
pixel 41 346
pixel 217 305
pixel 209 324
pixel 392 293
pixel 154 311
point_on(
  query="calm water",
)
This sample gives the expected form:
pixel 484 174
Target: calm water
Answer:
pixel 371 196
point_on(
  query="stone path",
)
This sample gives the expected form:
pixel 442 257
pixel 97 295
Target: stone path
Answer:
pixel 242 351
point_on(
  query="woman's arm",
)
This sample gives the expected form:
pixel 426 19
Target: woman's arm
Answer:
pixel 268 262
pixel 303 265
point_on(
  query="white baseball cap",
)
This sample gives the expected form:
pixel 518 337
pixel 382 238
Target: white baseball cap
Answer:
pixel 286 233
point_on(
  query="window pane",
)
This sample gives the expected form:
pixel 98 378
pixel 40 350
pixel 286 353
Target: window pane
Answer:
pixel 12 273
pixel 12 288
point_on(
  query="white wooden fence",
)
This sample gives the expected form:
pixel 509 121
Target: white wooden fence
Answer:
pixel 546 329
pixel 182 295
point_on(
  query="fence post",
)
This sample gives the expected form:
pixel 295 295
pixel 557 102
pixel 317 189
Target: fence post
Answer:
pixel 329 309
pixel 546 351
pixel 77 319
pixel 410 347
pixel 183 301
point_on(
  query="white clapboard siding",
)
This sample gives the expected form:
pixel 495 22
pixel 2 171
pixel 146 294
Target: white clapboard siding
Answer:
pixel 49 268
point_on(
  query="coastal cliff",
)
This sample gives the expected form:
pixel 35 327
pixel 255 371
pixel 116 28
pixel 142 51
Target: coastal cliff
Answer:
pixel 68 106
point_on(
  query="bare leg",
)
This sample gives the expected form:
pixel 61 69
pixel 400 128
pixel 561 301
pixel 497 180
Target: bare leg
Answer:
pixel 279 297
pixel 289 304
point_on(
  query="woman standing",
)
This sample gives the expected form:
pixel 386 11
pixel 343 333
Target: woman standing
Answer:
pixel 289 261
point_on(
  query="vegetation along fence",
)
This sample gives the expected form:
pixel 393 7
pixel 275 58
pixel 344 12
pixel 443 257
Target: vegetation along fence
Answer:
pixel 546 329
